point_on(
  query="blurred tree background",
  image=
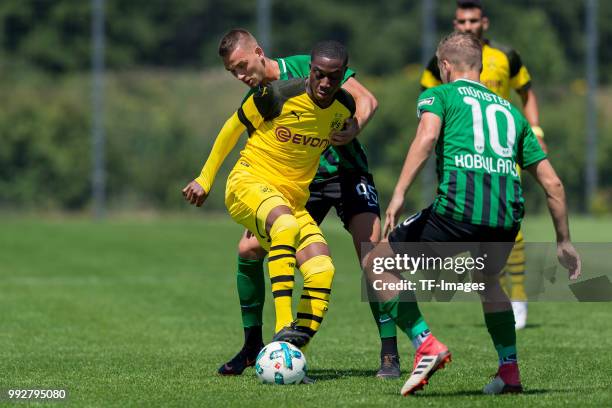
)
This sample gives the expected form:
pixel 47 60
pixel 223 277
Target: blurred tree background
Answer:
pixel 167 93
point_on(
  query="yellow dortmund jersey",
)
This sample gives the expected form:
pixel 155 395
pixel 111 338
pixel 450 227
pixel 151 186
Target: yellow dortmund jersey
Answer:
pixel 502 70
pixel 287 134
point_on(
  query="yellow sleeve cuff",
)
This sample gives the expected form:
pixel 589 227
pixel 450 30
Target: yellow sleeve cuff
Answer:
pixel 204 183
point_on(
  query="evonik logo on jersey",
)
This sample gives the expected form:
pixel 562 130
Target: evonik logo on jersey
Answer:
pixel 284 135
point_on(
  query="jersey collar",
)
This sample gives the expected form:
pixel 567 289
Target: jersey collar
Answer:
pixel 282 66
pixel 470 81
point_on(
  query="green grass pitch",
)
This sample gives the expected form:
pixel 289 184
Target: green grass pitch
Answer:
pixel 142 313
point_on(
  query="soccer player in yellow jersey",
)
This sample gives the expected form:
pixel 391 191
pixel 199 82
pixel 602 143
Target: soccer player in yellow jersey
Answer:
pixel 289 125
pixel 502 70
pixel 343 182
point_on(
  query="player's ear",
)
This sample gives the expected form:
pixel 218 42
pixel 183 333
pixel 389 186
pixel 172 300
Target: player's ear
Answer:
pixel 485 23
pixel 259 51
pixel 444 67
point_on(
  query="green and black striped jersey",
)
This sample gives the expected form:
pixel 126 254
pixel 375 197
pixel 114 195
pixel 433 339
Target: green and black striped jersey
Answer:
pixel 483 138
pixel 350 157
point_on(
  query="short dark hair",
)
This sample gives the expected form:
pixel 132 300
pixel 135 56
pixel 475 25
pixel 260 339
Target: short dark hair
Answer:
pixel 469 4
pixel 232 38
pixel 330 49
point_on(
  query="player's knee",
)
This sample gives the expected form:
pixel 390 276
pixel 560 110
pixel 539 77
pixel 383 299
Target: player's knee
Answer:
pixel 286 226
pixel 318 272
pixel 365 228
pixel 489 281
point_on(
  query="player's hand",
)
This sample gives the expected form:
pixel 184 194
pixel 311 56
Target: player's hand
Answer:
pixel 569 259
pixel 194 193
pixel 347 134
pixel 394 210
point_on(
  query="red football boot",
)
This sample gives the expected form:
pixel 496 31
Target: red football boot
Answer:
pixel 430 357
pixel 506 381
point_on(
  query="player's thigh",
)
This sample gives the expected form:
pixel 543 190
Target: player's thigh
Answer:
pixel 408 231
pixel 365 230
pixel 250 202
pixel 377 270
pixel 495 247
pixel 359 196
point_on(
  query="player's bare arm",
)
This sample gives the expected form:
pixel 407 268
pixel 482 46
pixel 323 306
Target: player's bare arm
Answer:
pixel 421 148
pixel 365 107
pixel 197 190
pixel 546 176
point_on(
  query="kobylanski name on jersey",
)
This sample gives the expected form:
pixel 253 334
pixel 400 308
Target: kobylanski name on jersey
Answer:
pixel 489 164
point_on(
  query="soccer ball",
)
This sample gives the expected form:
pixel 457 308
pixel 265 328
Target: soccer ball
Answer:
pixel 280 363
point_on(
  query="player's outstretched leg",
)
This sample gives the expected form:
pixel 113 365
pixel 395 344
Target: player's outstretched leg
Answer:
pixel 318 273
pixel 251 292
pixel 281 263
pixel 389 355
pixel 431 355
pixel 364 227
pixel 499 320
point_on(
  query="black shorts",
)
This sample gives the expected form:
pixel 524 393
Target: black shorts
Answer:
pixel 429 226
pixel 349 193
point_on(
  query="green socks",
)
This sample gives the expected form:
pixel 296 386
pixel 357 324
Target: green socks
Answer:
pixel 251 291
pixel 407 316
pixel 384 322
pixel 501 328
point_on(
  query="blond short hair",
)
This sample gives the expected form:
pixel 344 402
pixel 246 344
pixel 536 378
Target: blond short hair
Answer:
pixel 462 50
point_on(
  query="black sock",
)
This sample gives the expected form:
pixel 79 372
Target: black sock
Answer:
pixel 388 346
pixel 253 338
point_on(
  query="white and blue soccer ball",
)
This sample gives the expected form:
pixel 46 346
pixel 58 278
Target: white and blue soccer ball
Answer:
pixel 280 363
